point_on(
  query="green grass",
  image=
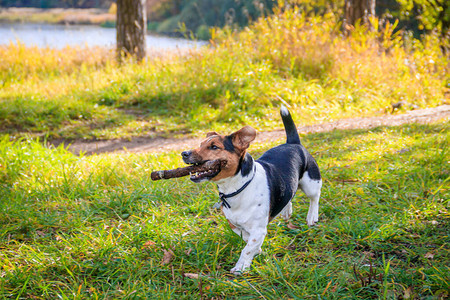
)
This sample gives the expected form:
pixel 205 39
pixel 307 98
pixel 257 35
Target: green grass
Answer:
pixel 97 226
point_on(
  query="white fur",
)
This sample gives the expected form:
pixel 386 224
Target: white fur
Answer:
pixel 249 212
pixel 311 188
pixel 284 111
pixel 250 209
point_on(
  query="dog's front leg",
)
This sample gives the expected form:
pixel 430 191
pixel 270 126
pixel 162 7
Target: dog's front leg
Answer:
pixel 242 233
pixel 253 247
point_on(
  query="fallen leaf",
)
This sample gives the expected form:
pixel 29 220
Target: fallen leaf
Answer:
pixel 40 233
pixel 408 293
pixel 191 275
pixel 168 256
pixel 148 244
pixel 369 254
pixel 429 255
pixel 292 226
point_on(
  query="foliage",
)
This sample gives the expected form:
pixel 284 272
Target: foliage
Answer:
pixel 97 227
pixel 416 16
pixel 432 15
pixel 166 16
pixel 212 13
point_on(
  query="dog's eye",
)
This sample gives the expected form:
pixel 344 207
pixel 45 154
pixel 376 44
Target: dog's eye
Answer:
pixel 213 147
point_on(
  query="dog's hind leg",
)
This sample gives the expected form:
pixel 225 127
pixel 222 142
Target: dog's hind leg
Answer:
pixel 286 213
pixel 313 212
pixel 311 188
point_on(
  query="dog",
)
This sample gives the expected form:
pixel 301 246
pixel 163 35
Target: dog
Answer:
pixel 253 192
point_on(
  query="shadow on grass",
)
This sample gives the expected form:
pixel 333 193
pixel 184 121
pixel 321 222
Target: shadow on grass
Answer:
pixel 117 107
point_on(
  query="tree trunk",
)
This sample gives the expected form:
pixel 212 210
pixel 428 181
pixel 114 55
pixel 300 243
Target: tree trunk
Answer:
pixel 358 10
pixel 131 28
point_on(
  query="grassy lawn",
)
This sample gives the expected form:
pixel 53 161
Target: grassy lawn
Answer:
pixel 98 227
pixel 78 227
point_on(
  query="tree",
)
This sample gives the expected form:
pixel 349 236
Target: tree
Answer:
pixel 361 10
pixel 131 28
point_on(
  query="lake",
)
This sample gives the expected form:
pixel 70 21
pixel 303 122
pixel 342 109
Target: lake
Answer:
pixel 59 36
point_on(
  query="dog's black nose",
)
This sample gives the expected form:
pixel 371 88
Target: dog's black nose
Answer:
pixel 186 154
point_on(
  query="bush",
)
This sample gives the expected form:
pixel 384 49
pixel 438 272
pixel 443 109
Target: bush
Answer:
pixel 152 26
pixel 203 33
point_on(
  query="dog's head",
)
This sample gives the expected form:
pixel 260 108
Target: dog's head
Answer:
pixel 230 148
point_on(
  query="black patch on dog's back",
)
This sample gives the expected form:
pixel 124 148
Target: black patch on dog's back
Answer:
pixel 313 168
pixel 284 166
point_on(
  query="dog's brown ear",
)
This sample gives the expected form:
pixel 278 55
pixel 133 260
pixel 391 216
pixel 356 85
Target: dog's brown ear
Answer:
pixel 211 134
pixel 243 137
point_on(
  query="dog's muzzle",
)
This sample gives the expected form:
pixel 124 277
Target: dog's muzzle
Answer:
pixel 191 158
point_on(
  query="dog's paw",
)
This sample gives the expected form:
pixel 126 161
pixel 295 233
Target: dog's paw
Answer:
pixel 235 271
pixel 240 268
pixel 312 219
pixel 311 222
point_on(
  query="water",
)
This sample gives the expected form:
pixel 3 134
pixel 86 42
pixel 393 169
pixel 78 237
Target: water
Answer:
pixel 59 36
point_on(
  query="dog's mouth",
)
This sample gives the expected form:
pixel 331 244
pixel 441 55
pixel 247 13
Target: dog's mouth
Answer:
pixel 207 171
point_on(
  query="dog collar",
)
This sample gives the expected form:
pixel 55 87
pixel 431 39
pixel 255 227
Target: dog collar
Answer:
pixel 223 197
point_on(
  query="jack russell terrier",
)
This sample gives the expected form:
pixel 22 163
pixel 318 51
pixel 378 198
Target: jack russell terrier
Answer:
pixel 253 192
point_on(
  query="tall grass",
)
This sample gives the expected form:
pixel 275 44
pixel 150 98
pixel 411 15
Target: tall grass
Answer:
pixel 289 57
pixel 20 63
pixel 363 72
pixel 97 227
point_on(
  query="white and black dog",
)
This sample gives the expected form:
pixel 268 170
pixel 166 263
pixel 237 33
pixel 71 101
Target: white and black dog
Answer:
pixel 253 192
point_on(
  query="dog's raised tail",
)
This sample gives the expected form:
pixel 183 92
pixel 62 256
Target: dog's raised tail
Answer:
pixel 291 130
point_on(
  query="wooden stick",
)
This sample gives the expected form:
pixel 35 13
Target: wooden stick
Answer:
pixel 180 172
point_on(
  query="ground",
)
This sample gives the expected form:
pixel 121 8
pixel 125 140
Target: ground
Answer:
pixel 144 144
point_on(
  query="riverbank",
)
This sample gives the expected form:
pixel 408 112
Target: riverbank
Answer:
pixel 73 16
pixel 78 16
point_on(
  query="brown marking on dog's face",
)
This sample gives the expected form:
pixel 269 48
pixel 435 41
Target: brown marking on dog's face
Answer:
pixel 214 147
pixel 226 148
